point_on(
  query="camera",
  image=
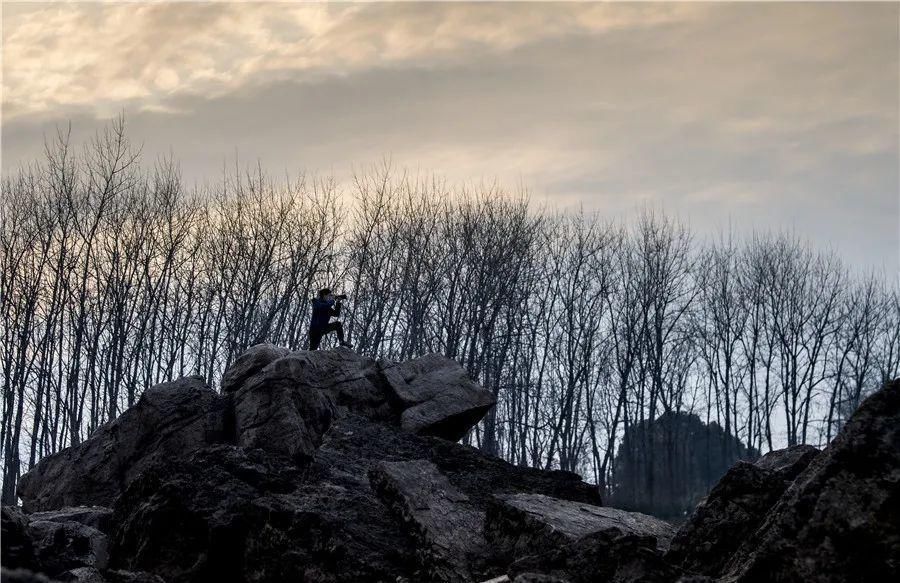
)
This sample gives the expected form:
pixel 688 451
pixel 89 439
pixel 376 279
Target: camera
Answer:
pixel 340 297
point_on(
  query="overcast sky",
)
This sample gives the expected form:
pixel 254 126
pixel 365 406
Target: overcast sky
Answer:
pixel 766 116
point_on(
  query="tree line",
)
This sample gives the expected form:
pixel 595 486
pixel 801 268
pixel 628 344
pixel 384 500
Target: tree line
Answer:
pixel 117 276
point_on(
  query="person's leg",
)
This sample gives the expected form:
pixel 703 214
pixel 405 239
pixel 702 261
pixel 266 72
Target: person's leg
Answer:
pixel 315 338
pixel 338 329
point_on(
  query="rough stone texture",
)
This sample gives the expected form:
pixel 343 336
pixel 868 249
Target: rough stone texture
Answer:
pixel 170 419
pixel 278 411
pixel 438 396
pixel 448 529
pixel 840 519
pixel 538 578
pixel 22 576
pixel 731 512
pixel 234 515
pixel 98 517
pixel 525 524
pixel 788 463
pixel 59 546
pixel 17 548
pixel 253 360
pixel 606 556
pixel 92 575
pixel 735 508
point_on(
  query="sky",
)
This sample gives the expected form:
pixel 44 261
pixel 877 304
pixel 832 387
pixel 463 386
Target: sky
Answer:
pixel 743 116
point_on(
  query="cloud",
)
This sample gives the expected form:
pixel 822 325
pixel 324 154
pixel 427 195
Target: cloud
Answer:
pixel 774 115
pixel 97 56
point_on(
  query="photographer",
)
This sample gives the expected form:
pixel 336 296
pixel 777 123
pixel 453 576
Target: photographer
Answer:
pixel 324 307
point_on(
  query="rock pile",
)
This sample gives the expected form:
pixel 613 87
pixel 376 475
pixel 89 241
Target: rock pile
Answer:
pixel 330 467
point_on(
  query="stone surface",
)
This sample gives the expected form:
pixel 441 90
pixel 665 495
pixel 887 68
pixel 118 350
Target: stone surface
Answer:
pixel 523 524
pixel 607 556
pixel 59 546
pixel 170 419
pixel 735 508
pixel 438 396
pixel 17 548
pixel 98 517
pixel 280 411
pixel 93 575
pixel 250 362
pixel 788 463
pixel 447 527
pixel 22 576
pixel 840 518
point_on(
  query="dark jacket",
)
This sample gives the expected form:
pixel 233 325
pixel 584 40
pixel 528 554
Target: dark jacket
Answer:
pixel 322 312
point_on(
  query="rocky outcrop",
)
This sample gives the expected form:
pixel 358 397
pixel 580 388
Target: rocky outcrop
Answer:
pixel 609 555
pixel 519 525
pixel 840 518
pixel 169 420
pixel 250 362
pixel 447 527
pixel 438 396
pixel 277 411
pixel 97 517
pixel 64 545
pixel 735 508
pixel 329 467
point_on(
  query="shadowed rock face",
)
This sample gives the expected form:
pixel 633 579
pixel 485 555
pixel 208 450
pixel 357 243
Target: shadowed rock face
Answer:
pixel 169 420
pixel 309 468
pixel 735 508
pixel 840 518
pixel 524 524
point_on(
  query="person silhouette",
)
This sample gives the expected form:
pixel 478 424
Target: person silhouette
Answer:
pixel 323 308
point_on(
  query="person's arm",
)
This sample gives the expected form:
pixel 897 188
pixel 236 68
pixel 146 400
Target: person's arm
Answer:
pixel 336 309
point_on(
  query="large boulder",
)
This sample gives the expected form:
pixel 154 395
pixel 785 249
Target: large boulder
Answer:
pixel 840 518
pixel 50 543
pixel 524 524
pixel 59 546
pixel 438 396
pixel 170 419
pixel 447 527
pixel 281 411
pixel 233 515
pixel 17 547
pixel 735 508
pixel 605 556
pixel 250 362
pixel 98 517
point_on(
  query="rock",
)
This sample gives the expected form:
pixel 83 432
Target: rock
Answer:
pixel 59 546
pixel 278 411
pixel 439 397
pixel 538 578
pixel 98 517
pixel 253 360
pixel 22 576
pixel 170 419
pixel 840 518
pixel 734 508
pixel 608 556
pixel 788 463
pixel 17 548
pixel 92 575
pixel 83 575
pixel 526 524
pixel 448 529
pixel 232 515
